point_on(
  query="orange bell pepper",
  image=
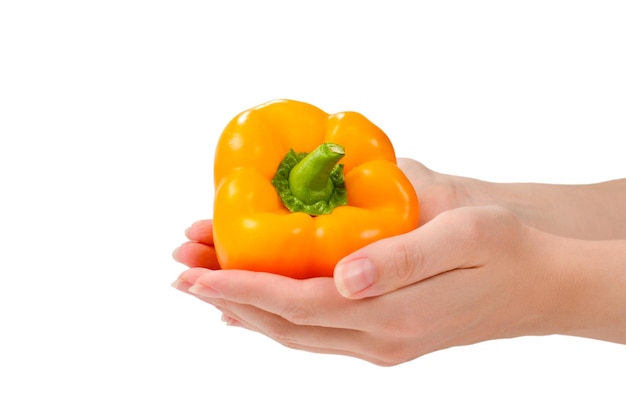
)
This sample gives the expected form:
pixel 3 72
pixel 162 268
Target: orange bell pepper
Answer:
pixel 363 199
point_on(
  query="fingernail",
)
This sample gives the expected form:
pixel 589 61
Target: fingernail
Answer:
pixel 175 253
pixel 355 276
pixel 178 284
pixel 205 291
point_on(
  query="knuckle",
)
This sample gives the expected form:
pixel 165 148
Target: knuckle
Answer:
pixel 472 224
pixel 487 226
pixel 297 314
pixel 404 264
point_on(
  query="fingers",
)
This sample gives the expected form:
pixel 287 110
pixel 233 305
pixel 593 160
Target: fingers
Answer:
pixel 315 339
pixel 201 231
pixel 415 171
pixel 446 243
pixel 311 338
pixel 190 276
pixel 199 251
pixel 187 279
pixel 196 254
pixel 308 302
pixel 235 294
pixel 311 302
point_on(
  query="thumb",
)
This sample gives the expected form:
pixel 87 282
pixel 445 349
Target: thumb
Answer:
pixel 381 267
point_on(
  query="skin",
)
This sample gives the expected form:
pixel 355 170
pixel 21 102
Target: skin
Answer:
pixel 488 261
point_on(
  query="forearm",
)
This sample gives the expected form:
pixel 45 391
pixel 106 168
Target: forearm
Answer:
pixel 591 295
pixel 593 211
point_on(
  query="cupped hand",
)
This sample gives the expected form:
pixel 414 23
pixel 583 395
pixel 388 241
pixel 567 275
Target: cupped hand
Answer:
pixel 470 274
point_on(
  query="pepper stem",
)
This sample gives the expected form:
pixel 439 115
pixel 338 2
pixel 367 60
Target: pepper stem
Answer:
pixel 312 183
pixel 310 180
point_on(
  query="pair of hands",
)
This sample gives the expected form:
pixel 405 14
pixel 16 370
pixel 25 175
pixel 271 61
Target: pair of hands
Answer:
pixel 471 272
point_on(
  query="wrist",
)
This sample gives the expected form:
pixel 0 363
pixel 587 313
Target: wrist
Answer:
pixel 557 209
pixel 578 289
pixel 589 211
pixel 594 290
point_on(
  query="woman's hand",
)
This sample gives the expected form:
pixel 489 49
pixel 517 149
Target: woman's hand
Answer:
pixel 584 211
pixel 199 250
pixel 471 274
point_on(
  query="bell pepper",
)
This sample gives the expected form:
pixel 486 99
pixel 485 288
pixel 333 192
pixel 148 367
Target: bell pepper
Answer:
pixel 297 189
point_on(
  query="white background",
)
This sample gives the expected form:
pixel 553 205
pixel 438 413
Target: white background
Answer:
pixel 109 115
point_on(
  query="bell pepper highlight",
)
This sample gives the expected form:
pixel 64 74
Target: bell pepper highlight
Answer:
pixel 297 189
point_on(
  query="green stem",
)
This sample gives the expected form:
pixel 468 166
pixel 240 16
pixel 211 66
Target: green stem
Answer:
pixel 310 180
pixel 312 183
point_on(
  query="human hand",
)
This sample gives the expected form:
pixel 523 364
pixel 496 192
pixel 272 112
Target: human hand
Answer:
pixel 440 192
pixel 199 250
pixel 584 211
pixel 471 274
